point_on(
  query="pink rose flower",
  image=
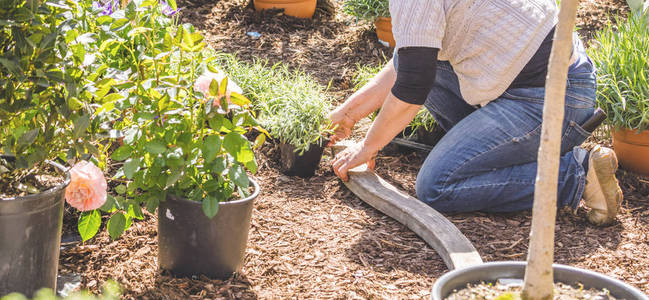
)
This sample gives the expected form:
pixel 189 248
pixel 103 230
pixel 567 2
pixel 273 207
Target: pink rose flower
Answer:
pixel 203 84
pixel 87 189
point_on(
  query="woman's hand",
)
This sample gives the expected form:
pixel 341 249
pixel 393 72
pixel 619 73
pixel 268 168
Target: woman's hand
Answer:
pixel 341 123
pixel 352 157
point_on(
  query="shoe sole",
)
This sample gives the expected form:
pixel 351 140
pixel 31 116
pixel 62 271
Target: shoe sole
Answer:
pixel 604 162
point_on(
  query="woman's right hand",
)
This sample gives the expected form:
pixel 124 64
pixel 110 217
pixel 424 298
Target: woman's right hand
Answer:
pixel 341 123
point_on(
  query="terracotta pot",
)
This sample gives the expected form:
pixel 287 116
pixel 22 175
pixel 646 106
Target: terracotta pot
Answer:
pixel 384 31
pixel 296 8
pixel 632 150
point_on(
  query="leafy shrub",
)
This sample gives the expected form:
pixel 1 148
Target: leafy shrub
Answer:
pixel 45 108
pixel 292 106
pixel 621 57
pixel 170 136
pixel 368 10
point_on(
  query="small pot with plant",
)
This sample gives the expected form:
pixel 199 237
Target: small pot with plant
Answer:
pixel 542 279
pixel 297 8
pixel 184 151
pixel 376 11
pixel 292 106
pixel 624 89
pixel 426 129
pixel 46 121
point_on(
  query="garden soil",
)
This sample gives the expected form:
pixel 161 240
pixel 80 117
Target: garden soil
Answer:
pixel 312 238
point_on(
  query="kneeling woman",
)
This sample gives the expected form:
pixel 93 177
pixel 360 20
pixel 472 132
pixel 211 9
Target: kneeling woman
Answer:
pixel 479 67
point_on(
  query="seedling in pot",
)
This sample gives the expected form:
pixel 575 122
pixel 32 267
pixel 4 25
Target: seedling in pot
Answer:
pixel 292 107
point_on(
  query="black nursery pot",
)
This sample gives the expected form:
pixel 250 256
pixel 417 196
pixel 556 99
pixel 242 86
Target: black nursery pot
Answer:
pixel 303 165
pixel 430 137
pixel 491 272
pixel 30 239
pixel 190 243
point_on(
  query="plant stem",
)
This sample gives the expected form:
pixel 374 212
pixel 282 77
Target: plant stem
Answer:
pixel 539 281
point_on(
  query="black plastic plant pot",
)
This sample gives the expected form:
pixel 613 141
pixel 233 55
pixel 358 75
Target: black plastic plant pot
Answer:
pixel 30 239
pixel 305 165
pixel 430 137
pixel 491 272
pixel 190 243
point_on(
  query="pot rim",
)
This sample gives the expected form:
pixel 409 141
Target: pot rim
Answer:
pixel 252 196
pixel 49 192
pixel 442 281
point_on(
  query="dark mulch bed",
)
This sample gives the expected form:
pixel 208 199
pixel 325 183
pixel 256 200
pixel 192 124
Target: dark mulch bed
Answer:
pixel 312 238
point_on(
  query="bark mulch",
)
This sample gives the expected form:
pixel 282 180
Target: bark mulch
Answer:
pixel 312 238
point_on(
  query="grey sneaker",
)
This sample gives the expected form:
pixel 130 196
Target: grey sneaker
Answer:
pixel 602 193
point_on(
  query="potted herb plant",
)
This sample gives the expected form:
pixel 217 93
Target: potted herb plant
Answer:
pixel 46 120
pixel 296 8
pixel 623 69
pixel 291 106
pixel 377 11
pixel 184 151
pixel 541 277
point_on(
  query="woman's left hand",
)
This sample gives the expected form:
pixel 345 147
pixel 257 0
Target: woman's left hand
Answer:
pixel 352 157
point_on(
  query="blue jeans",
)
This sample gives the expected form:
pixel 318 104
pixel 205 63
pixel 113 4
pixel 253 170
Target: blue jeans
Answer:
pixel 487 159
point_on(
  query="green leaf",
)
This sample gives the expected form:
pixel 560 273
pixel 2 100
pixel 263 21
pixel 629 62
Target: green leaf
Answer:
pixel 238 176
pixel 135 211
pixel 117 25
pixel 130 11
pixel 239 99
pixel 81 125
pixel 116 225
pixel 210 206
pixel 239 147
pixel 28 137
pixel 120 189
pixel 109 205
pixel 214 88
pixel 172 4
pixel 104 20
pixel 252 166
pixel 88 224
pixel 122 153
pixel 211 147
pixel 175 175
pixel 155 147
pixel 131 166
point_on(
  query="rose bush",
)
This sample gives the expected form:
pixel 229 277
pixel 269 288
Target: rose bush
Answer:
pixel 171 130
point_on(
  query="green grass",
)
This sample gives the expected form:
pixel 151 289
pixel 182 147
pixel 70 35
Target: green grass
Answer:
pixel 292 106
pixel 621 56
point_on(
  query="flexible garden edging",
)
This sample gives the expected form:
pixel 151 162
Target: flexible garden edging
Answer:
pixel 454 248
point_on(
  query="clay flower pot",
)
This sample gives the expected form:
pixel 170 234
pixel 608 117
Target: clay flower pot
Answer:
pixel 632 149
pixel 296 8
pixel 384 31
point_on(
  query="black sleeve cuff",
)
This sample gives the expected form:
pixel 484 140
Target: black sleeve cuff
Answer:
pixel 415 74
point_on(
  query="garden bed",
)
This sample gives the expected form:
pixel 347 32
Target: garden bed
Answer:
pixel 312 238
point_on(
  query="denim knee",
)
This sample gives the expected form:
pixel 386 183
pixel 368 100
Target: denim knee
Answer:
pixel 428 188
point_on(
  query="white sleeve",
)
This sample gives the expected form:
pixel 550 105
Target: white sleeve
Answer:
pixel 418 23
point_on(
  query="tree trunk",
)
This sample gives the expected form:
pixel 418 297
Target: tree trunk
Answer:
pixel 538 274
